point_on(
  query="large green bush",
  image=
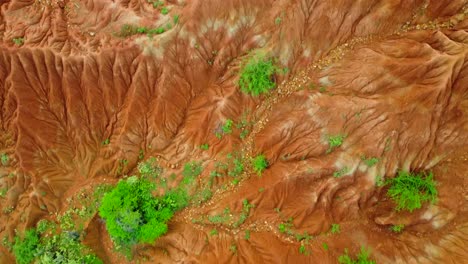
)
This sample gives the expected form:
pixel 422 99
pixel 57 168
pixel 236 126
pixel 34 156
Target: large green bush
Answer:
pixel 25 247
pixel 411 190
pixel 133 215
pixel 256 76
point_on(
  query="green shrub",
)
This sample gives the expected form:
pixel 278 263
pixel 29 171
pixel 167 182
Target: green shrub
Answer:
pixel 397 228
pixel 25 249
pixel 259 164
pixel 205 146
pixel 227 127
pixel 411 190
pixel 256 76
pixel 192 169
pixel 18 41
pixel 362 258
pixel 335 229
pixel 133 215
pixel 65 248
pixel 334 142
pixel 370 161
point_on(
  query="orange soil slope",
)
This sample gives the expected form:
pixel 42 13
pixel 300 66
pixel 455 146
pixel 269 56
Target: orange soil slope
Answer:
pixel 393 77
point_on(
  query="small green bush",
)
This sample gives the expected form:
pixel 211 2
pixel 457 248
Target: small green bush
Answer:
pixel 334 142
pixel 397 228
pixel 227 126
pixel 362 258
pixel 335 229
pixel 256 76
pixel 4 159
pixel 411 190
pixel 18 41
pixel 259 164
pixel 25 249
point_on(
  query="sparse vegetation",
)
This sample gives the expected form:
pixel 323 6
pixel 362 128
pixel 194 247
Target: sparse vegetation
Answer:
pixel 362 258
pixel 4 159
pixel 259 164
pixel 325 246
pixel 213 232
pixel 335 229
pixel 334 142
pixel 247 234
pixel 164 10
pixel 18 41
pixel 256 76
pixel 370 162
pixel 397 228
pixel 227 126
pixel 204 146
pixel 411 190
pixel 341 172
pixel 246 206
pixel 128 30
pixel 176 19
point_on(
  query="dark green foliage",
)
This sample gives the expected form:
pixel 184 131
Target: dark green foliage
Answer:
pixel 133 215
pixel 256 76
pixel 25 248
pixel 362 258
pixel 411 190
pixel 164 11
pixel 259 164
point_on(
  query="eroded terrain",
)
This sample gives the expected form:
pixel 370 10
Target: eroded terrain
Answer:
pixel 83 102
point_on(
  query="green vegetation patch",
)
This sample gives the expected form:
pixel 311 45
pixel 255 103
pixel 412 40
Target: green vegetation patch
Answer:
pixel 133 215
pixel 335 141
pixel 256 77
pixel 259 164
pixel 411 190
pixel 62 248
pixel 362 258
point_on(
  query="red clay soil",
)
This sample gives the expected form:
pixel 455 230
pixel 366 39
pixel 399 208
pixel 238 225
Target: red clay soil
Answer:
pixel 391 75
